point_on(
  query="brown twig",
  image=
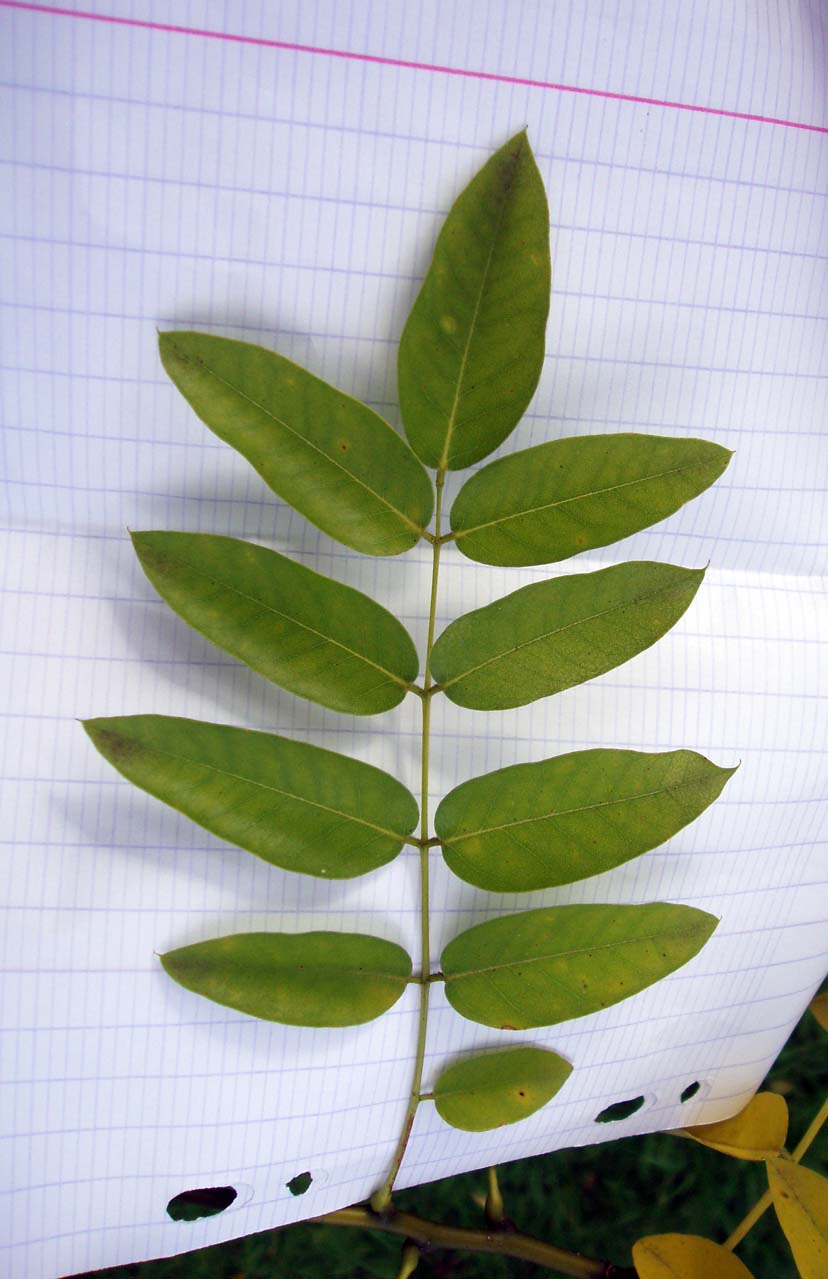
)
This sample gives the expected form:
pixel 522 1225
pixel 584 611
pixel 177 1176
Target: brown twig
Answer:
pixel 505 1243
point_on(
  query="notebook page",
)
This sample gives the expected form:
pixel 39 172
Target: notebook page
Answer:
pixel 278 174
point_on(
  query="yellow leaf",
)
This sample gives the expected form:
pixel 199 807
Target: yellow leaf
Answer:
pixel 685 1257
pixel 819 1007
pixel 800 1198
pixel 757 1132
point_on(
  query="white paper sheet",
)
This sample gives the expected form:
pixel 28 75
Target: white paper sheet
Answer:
pixel 274 172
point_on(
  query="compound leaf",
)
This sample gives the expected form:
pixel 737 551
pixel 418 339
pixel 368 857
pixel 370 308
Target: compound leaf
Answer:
pixel 497 1088
pixel 308 633
pixel 293 804
pixel 551 635
pixel 759 1131
pixel 800 1198
pixel 546 966
pixel 472 350
pixel 534 826
pixel 301 979
pixel 685 1257
pixel 547 503
pixel 335 460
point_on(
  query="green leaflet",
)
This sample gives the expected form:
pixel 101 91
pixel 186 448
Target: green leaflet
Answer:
pixel 310 634
pixel 472 350
pixel 497 1088
pixel 334 459
pixel 301 979
pixel 547 503
pixel 538 825
pixel 295 805
pixel 554 634
pixel 546 966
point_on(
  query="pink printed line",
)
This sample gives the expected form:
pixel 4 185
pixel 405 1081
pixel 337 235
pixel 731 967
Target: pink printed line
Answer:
pixel 403 63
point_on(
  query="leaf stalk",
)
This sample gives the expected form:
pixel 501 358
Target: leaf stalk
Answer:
pixel 494 1208
pixel 409 1260
pixel 381 1199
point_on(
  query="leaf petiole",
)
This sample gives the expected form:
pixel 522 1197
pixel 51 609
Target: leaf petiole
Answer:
pixel 494 1209
pixel 381 1199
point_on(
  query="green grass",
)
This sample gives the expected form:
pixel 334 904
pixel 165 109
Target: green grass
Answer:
pixel 596 1200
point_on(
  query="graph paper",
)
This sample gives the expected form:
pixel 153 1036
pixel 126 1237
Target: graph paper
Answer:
pixel 279 173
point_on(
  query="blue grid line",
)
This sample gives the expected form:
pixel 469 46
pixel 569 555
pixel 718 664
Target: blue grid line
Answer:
pixel 454 144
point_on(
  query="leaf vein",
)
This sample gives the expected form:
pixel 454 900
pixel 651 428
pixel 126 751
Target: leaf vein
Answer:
pixel 674 934
pixel 269 608
pixel 568 812
pixel 412 524
pixel 276 790
pixel 452 418
pixel 559 630
pixel 577 497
